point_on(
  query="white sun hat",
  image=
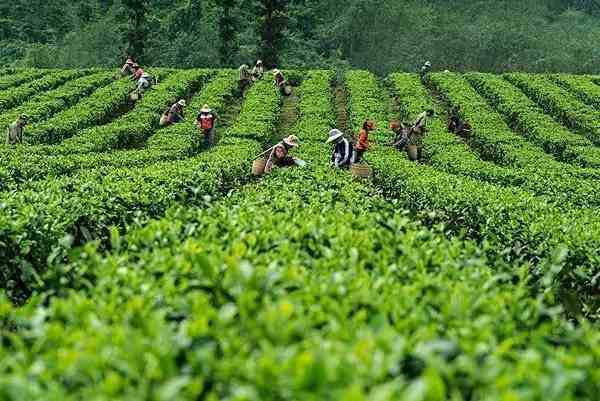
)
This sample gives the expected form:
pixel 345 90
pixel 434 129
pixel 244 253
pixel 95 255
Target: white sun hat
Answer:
pixel 334 134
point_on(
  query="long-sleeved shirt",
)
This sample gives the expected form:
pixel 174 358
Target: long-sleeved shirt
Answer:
pixel 342 154
pixel 14 134
pixel 281 161
pixel 363 140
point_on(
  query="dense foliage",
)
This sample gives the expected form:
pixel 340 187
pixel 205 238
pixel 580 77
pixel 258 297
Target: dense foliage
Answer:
pixel 380 35
pixel 135 264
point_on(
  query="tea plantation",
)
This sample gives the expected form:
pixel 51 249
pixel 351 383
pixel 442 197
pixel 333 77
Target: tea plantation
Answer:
pixel 136 265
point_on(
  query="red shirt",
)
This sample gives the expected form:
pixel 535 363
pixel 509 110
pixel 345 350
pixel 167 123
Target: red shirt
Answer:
pixel 138 73
pixel 363 140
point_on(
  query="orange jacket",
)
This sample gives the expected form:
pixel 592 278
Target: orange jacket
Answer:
pixel 363 140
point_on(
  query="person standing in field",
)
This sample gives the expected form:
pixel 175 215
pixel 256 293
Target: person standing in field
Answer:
pixel 279 155
pixel 363 140
pixel 258 71
pixel 343 153
pixel 207 121
pixel 15 131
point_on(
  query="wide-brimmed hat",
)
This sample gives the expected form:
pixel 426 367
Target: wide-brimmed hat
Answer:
pixel 276 71
pixel 428 63
pixel 135 65
pixel 334 134
pixel 291 140
pixel 205 109
pixel 182 103
pixel 259 62
pixel 23 117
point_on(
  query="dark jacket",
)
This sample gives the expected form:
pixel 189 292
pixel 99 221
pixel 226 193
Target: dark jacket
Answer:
pixel 343 154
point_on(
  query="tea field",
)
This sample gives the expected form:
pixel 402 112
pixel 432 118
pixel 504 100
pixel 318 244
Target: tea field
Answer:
pixel 136 265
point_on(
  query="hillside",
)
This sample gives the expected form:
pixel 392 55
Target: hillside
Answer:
pixel 136 265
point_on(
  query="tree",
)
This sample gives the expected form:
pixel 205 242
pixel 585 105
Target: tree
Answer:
pixel 272 22
pixel 227 31
pixel 137 27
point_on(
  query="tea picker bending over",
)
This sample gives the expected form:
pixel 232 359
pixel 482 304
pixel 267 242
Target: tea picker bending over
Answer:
pixel 343 153
pixel 420 124
pixel 245 79
pixel 279 155
pixel 457 125
pixel 402 131
pixel 144 80
pixel 280 81
pixel 174 114
pixel 417 131
pixel 127 68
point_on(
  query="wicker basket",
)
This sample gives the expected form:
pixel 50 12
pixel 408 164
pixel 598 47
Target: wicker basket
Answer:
pixel 361 170
pixel 134 96
pixel 413 152
pixel 287 90
pixel 258 167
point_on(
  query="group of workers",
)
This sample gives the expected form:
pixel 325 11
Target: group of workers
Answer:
pixel 206 120
pixel 347 151
pixel 247 77
pixel 142 79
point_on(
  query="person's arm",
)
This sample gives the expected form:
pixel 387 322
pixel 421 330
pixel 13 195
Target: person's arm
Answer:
pixel 8 135
pixel 269 165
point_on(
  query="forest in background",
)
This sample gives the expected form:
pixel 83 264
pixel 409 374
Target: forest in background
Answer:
pixel 378 35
